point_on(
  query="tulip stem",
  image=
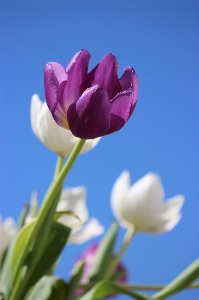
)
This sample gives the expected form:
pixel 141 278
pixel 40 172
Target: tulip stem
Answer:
pixel 126 241
pixel 60 161
pixel 42 216
pixel 144 287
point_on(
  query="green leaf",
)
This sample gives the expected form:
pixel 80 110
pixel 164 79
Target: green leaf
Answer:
pixel 18 245
pixel 58 214
pixel 2 296
pixel 52 249
pixel 75 278
pixel 103 254
pixel 9 266
pixel 106 288
pixel 16 251
pixel 23 215
pixel 45 228
pixel 180 282
pixel 48 288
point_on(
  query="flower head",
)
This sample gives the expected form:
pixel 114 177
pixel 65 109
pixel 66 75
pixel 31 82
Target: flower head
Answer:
pixel 74 200
pixel 7 231
pixel 53 136
pixel 88 257
pixel 90 104
pixel 142 204
pixel 83 228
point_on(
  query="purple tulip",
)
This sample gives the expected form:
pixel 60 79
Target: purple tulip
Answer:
pixel 120 273
pixel 90 104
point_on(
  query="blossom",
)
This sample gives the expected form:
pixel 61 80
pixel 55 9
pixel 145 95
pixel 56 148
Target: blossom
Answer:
pixel 142 204
pixel 83 228
pixel 90 104
pixel 53 136
pixel 7 231
pixel 73 200
pixel 89 257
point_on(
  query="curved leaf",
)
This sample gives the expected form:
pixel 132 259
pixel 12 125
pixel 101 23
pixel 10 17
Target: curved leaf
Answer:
pixel 50 252
pixel 75 278
pixel 190 274
pixel 103 254
pixel 49 288
pixel 107 288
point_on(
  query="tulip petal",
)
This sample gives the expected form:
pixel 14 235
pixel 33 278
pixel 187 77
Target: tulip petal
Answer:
pixel 123 106
pixel 143 200
pixel 127 78
pixel 53 136
pixel 77 73
pixel 105 75
pixel 73 199
pixel 82 234
pixel 142 204
pixel 165 220
pixel 35 108
pixel 119 195
pixel 7 231
pixel 55 79
pixel 89 117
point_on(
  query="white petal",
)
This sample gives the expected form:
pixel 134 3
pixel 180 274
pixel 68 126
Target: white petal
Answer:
pixel 56 138
pixel 142 204
pixel 7 231
pixel 166 218
pixel 171 214
pixel 144 200
pixel 86 232
pixel 35 108
pixel 89 144
pixel 73 199
pixel 119 197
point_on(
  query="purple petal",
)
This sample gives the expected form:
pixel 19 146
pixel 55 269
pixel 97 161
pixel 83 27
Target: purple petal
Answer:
pixel 123 106
pixel 89 117
pixel 105 75
pixel 77 74
pixel 129 80
pixel 134 85
pixel 126 79
pixel 55 79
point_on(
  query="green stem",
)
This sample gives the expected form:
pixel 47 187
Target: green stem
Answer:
pixel 126 241
pixel 60 161
pixel 48 201
pixel 144 287
pixel 179 283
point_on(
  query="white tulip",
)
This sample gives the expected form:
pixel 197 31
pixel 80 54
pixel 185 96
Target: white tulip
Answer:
pixel 73 200
pixel 86 232
pixel 7 231
pixel 142 204
pixel 56 138
pixel 83 229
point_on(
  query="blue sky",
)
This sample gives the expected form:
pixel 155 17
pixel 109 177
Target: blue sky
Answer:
pixel 160 40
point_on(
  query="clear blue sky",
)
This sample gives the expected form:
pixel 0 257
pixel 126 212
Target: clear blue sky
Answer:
pixel 160 40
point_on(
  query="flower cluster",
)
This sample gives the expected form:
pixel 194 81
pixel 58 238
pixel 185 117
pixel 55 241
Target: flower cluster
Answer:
pixel 85 105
